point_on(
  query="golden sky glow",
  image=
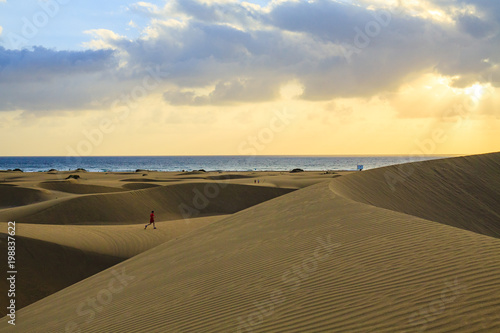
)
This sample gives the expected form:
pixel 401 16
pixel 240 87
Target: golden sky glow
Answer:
pixel 279 78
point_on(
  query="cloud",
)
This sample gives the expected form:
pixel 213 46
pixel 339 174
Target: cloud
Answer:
pixel 489 10
pixel 474 26
pixel 1 29
pixel 228 52
pixel 235 13
pixel 133 24
pixel 308 41
pixel 44 79
pixel 226 93
pixel 41 62
pixel 100 36
pixel 146 9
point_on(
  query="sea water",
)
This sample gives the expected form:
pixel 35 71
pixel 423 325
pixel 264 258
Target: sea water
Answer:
pixel 208 163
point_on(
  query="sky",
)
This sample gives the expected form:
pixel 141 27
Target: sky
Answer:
pixel 227 77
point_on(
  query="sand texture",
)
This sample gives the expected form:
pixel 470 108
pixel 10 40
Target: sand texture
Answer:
pixel 355 253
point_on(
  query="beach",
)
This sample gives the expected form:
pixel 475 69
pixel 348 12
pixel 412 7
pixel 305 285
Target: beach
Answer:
pixel 404 248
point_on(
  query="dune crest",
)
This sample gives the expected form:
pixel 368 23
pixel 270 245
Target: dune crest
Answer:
pixel 13 196
pixel 77 188
pixel 463 192
pixel 171 202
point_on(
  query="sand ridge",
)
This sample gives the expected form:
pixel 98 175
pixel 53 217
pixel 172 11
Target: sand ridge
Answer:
pixel 13 196
pixel 315 259
pixel 170 202
pixel 73 186
pixel 463 192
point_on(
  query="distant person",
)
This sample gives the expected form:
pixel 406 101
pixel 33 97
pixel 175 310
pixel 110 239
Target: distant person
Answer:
pixel 151 220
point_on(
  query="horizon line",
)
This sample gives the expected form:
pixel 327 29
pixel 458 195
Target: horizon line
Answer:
pixel 270 155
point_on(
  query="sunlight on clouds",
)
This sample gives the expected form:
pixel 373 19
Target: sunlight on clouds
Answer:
pixel 291 90
pixel 475 92
pixel 101 38
pixel 428 10
pixel 218 1
pixel 433 96
pixel 149 7
pixel 154 30
pixel 251 6
pixel 339 126
pixel 418 8
pixel 438 15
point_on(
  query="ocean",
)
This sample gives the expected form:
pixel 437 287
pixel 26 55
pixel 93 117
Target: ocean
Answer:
pixel 208 163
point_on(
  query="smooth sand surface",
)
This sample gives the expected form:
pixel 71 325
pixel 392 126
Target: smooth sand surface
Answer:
pixel 330 257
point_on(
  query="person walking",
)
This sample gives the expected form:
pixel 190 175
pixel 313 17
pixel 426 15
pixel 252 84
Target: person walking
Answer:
pixel 151 220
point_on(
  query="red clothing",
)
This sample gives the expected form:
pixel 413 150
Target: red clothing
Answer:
pixel 151 217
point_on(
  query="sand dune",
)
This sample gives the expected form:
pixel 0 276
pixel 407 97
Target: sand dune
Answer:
pixel 169 202
pixel 47 197
pixel 13 196
pixel 309 261
pixel 283 179
pixel 463 192
pixel 230 176
pixel 73 186
pixel 291 182
pixel 149 180
pixel 45 268
pixel 138 186
pixel 121 241
pixel 53 257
